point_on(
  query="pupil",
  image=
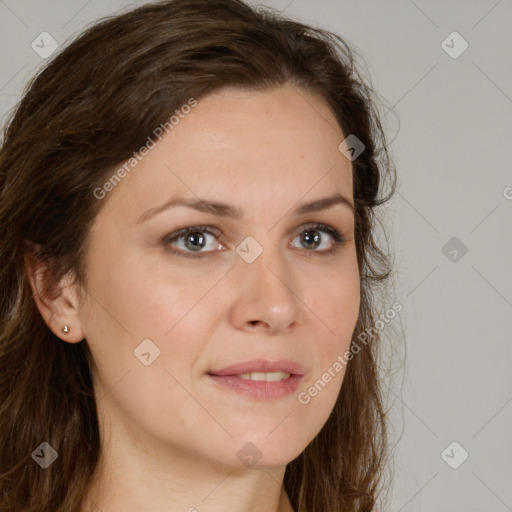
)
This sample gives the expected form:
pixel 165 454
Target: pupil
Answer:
pixel 193 239
pixel 311 239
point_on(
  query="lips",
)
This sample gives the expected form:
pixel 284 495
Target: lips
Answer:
pixel 260 366
pixel 260 379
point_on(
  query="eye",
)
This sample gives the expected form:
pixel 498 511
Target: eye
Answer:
pixel 194 239
pixel 189 242
pixel 311 238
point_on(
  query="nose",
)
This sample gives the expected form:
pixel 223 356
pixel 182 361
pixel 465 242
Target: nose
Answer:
pixel 266 299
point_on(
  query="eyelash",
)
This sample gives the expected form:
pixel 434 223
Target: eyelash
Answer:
pixel 337 236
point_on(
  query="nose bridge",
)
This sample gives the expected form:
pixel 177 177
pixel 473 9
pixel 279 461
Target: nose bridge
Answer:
pixel 266 287
pixel 272 272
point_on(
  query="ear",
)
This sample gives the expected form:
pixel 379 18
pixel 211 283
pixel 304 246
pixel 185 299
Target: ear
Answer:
pixel 58 302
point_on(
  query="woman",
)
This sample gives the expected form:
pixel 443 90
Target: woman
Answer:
pixel 188 198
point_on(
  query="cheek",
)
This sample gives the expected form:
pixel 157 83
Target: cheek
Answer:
pixel 177 310
pixel 145 301
pixel 336 306
pixel 136 305
pixel 177 313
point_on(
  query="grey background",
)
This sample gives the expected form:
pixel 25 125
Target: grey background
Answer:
pixel 452 147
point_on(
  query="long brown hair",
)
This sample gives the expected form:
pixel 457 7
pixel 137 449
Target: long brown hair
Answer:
pixel 86 112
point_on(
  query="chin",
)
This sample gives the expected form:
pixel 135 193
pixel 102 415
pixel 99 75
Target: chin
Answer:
pixel 261 452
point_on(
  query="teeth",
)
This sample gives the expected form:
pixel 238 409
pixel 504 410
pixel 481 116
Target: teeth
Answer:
pixel 270 376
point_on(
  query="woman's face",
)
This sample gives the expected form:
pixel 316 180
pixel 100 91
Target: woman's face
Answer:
pixel 263 285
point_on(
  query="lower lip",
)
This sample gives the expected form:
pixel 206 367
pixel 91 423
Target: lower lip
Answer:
pixel 259 389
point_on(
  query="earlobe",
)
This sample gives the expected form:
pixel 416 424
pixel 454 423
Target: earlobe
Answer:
pixel 56 301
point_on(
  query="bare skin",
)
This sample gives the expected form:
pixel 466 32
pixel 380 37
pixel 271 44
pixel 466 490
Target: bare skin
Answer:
pixel 170 436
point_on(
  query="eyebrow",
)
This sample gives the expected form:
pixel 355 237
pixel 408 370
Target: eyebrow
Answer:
pixel 227 210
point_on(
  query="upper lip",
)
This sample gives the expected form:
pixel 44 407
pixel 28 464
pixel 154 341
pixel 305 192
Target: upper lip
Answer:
pixel 261 365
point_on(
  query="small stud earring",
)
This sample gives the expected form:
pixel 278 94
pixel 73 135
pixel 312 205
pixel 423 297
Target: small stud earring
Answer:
pixel 65 329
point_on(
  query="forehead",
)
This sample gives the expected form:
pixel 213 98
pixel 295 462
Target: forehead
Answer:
pixel 245 145
pixel 285 118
